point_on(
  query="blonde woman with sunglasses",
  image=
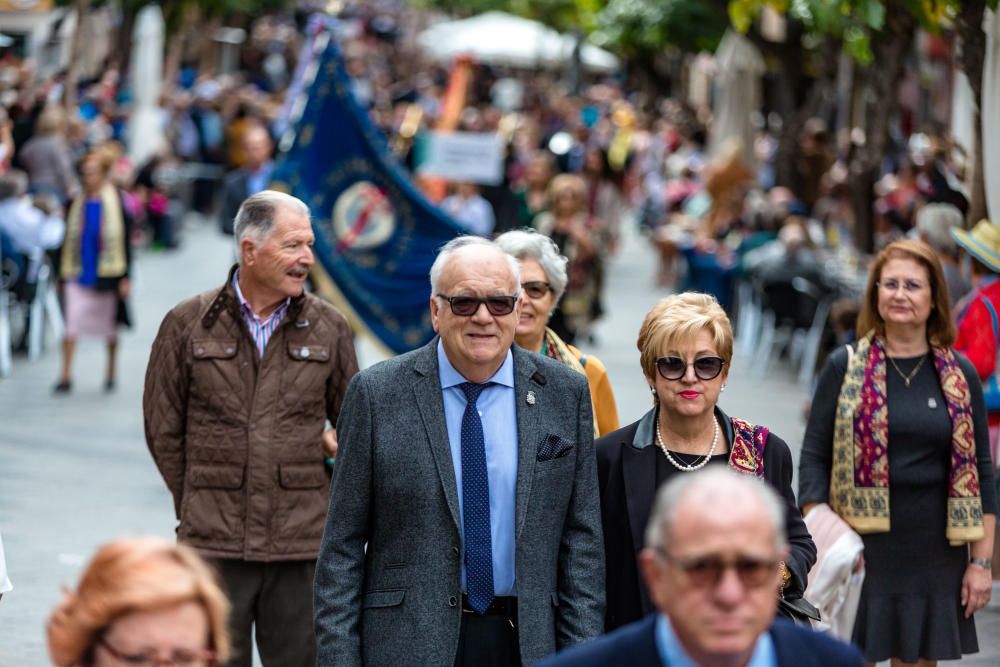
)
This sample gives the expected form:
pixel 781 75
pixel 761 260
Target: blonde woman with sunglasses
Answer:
pixel 686 346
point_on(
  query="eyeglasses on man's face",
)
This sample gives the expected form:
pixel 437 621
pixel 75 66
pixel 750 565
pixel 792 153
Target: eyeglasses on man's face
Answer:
pixel 890 285
pixel 467 306
pixel 706 571
pixel 536 289
pixel 177 658
pixel 674 368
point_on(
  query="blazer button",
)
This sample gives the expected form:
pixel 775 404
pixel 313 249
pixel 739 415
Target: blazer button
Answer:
pixel 454 550
pixel 452 601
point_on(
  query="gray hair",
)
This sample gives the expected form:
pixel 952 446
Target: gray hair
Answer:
pixel 528 244
pixel 934 221
pixel 13 184
pixel 719 483
pixel 255 219
pixel 459 242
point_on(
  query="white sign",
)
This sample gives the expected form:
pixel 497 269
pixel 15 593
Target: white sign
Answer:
pixel 464 156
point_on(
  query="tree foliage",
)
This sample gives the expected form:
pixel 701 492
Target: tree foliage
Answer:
pixel 637 26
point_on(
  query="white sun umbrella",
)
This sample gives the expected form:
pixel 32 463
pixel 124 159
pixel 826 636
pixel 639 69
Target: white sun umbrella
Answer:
pixel 739 67
pixel 145 125
pixel 498 38
pixel 991 114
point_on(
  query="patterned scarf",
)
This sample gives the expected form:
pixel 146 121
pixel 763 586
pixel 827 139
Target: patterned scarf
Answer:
pixel 859 479
pixel 747 453
pixel 112 261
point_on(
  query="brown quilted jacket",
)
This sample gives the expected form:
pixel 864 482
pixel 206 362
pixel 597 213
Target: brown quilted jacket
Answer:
pixel 238 439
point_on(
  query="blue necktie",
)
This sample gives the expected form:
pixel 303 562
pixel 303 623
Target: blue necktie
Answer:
pixel 476 504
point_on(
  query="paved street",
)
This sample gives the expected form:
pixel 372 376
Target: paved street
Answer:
pixel 75 472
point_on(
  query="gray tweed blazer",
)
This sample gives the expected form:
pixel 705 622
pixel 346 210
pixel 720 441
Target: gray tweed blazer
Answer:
pixel 388 578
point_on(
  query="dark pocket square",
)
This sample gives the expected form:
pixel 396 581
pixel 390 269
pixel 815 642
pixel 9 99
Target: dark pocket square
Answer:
pixel 553 447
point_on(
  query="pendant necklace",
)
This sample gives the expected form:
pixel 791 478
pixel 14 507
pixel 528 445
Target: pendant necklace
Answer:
pixel 907 378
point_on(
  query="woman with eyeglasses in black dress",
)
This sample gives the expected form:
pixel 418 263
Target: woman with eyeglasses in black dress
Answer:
pixel 686 346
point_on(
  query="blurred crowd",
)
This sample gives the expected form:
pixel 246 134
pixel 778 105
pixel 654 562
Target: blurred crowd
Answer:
pixel 582 159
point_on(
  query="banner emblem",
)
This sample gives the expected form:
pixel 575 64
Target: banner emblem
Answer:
pixel 363 217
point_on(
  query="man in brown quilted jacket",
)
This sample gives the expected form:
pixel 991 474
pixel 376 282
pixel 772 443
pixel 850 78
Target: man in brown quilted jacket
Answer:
pixel 241 384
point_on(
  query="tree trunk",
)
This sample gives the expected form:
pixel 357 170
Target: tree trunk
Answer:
pixel 879 101
pixel 972 54
pixel 176 43
pixel 82 8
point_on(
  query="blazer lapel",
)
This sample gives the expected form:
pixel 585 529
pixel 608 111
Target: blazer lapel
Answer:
pixel 639 470
pixel 526 379
pixel 430 403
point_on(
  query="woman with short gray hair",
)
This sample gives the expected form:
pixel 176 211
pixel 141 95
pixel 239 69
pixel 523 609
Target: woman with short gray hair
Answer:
pixel 543 282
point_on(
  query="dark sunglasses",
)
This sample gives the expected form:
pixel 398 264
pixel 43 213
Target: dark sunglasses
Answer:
pixel 467 306
pixel 674 368
pixel 706 572
pixel 536 289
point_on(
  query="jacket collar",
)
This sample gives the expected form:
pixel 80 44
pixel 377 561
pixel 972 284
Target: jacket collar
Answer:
pixel 226 300
pixel 645 432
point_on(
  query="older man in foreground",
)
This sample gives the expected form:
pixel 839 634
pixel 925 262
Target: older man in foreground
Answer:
pixel 713 545
pixel 464 526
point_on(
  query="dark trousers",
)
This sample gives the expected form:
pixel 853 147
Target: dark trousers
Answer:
pixel 488 641
pixel 275 598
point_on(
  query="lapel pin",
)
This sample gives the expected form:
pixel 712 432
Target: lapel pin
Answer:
pixel 530 398
pixel 302 324
pixel 931 403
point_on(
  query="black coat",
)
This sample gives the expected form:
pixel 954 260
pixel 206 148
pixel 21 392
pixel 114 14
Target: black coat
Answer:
pixel 627 482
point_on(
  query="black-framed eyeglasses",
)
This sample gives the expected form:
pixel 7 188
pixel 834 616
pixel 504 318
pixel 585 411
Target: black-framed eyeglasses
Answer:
pixel 707 571
pixel 467 306
pixel 178 658
pixel 674 368
pixel 536 289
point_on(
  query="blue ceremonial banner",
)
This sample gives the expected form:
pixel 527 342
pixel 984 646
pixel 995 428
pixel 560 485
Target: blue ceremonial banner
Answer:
pixel 376 234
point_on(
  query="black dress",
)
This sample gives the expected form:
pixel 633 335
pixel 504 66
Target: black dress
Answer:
pixel 630 468
pixel 910 602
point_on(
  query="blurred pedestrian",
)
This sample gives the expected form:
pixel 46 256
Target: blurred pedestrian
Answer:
pixel 95 265
pixel 897 445
pixel 978 315
pixel 533 194
pixel 714 579
pixel 543 280
pixel 686 347
pixel 470 210
pixel 464 526
pixel 47 158
pixel 141 601
pixel 240 383
pixel 569 225
pixel 253 177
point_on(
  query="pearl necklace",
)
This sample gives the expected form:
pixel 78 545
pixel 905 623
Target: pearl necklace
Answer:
pixel 694 466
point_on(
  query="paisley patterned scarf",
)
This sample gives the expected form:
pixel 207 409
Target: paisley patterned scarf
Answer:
pixel 859 479
pixel 747 453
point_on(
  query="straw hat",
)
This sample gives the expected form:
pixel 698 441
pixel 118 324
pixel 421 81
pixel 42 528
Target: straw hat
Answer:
pixel 982 242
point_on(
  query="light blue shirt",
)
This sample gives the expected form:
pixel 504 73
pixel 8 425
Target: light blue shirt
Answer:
pixel 499 415
pixel 672 652
pixel 260 179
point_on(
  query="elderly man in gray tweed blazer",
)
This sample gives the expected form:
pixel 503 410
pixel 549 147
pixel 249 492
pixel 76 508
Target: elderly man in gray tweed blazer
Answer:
pixel 464 523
